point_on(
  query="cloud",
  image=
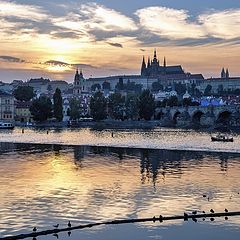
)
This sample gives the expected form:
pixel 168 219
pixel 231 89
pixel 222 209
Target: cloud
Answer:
pixel 119 45
pixel 11 59
pixel 177 25
pixel 100 17
pixel 169 23
pixel 54 62
pixel 12 9
pixel 92 18
pixel 222 24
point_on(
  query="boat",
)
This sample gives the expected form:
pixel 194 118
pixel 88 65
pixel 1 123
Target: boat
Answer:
pixel 6 125
pixel 222 138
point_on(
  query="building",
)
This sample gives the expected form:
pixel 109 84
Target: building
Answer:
pixel 152 72
pixel 22 112
pixel 79 85
pixel 62 85
pixel 153 68
pixel 222 83
pixel 6 107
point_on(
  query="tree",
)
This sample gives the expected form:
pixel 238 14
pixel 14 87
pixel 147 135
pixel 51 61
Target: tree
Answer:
pixel 146 105
pixel 95 87
pixel 58 105
pixel 98 106
pixel 187 102
pixel 106 86
pixel 75 108
pixel 157 86
pixel 180 88
pixel 116 105
pixel 23 93
pixel 172 101
pixel 41 108
pixel 132 107
pixel 208 90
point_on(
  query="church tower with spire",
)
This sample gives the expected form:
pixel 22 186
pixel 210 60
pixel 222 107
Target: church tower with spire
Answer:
pixel 143 68
pixel 223 74
pixel 79 84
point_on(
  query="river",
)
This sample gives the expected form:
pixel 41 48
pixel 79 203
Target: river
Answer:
pixel 87 176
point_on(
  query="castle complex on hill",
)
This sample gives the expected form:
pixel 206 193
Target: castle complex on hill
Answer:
pixel 153 68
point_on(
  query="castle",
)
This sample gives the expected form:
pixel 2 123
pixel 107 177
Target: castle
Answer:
pixel 154 69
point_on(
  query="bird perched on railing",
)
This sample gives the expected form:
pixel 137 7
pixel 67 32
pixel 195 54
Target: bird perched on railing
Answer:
pixel 212 211
pixel 34 229
pixel 185 216
pixel 56 226
pixel 226 210
pixel 69 224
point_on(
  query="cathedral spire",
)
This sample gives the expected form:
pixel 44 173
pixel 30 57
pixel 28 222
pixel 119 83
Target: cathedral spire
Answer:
pixel 227 73
pixel 143 68
pixel 155 53
pixel 223 74
pixel 164 62
pixel 148 64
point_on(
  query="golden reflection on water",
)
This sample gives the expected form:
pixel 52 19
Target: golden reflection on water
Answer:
pixel 46 184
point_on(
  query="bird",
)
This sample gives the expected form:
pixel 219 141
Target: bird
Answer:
pixel 34 238
pixel 69 233
pixel 154 219
pixel 194 219
pixel 56 226
pixel 55 235
pixel 203 211
pixel 212 211
pixel 160 218
pixel 226 210
pixel 212 219
pixel 203 219
pixel 185 217
pixel 204 195
pixel 226 218
pixel 69 224
pixel 34 229
pixel 194 212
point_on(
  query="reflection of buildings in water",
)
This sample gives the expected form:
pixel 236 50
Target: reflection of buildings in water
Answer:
pixel 224 161
pixel 79 153
pixel 56 149
pixel 6 147
pixel 155 162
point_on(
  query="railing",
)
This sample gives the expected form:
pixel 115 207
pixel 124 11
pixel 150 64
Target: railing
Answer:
pixel 194 216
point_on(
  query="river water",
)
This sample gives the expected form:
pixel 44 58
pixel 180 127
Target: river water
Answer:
pixel 87 176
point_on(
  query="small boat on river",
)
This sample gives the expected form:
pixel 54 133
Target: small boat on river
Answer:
pixel 222 138
pixel 6 125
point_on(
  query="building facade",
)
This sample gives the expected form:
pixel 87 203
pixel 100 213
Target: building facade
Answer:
pixel 7 110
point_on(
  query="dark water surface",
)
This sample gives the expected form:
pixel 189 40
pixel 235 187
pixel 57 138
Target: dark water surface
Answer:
pixel 42 185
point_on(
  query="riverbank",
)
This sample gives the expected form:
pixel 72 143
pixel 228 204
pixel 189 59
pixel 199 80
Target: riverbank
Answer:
pixel 128 124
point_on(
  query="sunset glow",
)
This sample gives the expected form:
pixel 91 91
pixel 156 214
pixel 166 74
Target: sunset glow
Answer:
pixel 109 39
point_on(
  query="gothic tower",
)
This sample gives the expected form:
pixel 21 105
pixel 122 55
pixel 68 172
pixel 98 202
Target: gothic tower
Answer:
pixel 223 74
pixel 227 73
pixel 143 68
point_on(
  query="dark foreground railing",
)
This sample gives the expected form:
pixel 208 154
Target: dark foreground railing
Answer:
pixel 161 218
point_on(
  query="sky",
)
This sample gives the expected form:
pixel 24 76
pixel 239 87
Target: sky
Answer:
pixel 51 39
